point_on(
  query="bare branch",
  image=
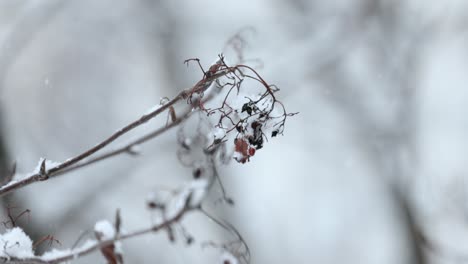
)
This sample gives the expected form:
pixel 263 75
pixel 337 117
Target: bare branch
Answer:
pixel 126 148
pixel 42 175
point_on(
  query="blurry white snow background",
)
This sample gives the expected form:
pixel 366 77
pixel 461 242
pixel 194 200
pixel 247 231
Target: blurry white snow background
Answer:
pixel 380 87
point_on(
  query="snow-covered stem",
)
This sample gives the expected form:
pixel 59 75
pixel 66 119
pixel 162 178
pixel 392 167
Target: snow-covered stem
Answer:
pixel 242 119
pixel 60 169
pixel 80 252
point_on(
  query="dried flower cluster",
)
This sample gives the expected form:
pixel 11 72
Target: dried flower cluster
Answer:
pixel 243 104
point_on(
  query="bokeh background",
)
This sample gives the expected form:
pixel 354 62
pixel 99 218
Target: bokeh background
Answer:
pixel 381 90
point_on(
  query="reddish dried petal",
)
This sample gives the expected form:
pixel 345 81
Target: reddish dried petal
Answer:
pixel 251 152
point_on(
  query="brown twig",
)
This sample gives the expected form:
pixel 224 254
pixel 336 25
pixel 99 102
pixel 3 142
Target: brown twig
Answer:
pixel 101 244
pixel 46 173
pixel 49 238
pixel 218 70
pixel 12 220
pixel 128 147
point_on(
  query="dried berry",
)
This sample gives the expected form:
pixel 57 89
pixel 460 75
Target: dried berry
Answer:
pixel 255 125
pixel 274 133
pixel 152 205
pixel 190 240
pixel 247 108
pixel 229 201
pixel 241 147
pixel 197 173
pixel 251 151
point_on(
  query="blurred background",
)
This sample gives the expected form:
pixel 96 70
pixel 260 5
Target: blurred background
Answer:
pixel 372 170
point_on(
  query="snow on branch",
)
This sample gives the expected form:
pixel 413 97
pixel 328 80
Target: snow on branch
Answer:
pixel 45 173
pixel 17 246
pixel 231 113
pixel 259 113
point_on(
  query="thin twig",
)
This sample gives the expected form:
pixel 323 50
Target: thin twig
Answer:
pixel 88 250
pixel 47 173
pixel 126 148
